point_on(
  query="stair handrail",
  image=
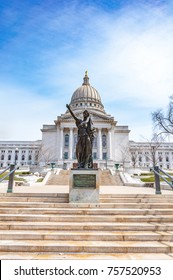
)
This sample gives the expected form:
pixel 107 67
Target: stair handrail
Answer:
pixel 8 167
pixel 12 168
pixel 169 176
pixel 157 174
pixel 6 175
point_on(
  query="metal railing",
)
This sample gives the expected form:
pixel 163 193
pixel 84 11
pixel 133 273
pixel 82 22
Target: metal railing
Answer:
pixel 12 168
pixel 157 175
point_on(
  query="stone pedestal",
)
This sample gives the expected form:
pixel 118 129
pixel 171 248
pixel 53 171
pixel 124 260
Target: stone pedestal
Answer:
pixel 84 185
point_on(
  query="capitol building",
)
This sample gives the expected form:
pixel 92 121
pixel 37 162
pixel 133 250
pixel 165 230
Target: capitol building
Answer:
pixel 111 144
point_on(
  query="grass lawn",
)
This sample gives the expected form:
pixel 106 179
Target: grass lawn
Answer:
pixel 15 178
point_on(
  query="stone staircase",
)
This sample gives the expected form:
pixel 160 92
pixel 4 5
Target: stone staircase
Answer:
pixel 106 179
pixel 59 179
pixel 37 226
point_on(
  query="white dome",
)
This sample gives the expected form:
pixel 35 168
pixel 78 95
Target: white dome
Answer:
pixel 86 96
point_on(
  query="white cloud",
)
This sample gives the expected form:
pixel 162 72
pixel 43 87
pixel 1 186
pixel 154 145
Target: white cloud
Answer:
pixel 127 52
pixel 24 112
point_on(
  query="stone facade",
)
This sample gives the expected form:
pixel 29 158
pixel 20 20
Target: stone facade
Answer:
pixel 147 154
pixel 19 152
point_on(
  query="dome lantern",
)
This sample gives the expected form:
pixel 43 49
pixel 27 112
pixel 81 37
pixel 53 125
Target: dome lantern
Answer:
pixel 86 79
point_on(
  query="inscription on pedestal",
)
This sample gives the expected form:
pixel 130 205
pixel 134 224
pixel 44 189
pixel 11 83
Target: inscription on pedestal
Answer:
pixel 84 181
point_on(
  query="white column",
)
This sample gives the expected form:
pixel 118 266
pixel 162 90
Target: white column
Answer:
pixel 6 157
pixel 99 144
pixel 26 156
pixel 19 157
pixel 71 144
pixel 61 143
pixel 13 156
pixel 110 144
pixel 33 156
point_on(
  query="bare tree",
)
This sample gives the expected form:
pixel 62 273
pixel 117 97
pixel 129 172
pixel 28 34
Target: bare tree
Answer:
pixel 153 146
pixel 164 121
pixel 134 158
pixel 44 155
pixel 124 155
pixel 135 151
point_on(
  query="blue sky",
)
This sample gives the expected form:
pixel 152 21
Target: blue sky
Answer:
pixel 46 46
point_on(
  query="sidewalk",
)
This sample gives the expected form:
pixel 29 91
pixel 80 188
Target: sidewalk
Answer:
pixel 40 188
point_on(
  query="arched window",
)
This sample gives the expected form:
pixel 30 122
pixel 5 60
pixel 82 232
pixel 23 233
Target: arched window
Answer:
pixel 30 157
pixel 23 157
pixel 104 141
pixel 66 142
pixel 9 157
pixel 2 157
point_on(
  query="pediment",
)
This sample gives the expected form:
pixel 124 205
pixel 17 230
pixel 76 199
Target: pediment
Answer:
pixel 95 116
pixel 101 117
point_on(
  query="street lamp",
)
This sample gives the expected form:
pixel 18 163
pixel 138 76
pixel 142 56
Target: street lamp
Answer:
pixel 16 155
pixel 117 166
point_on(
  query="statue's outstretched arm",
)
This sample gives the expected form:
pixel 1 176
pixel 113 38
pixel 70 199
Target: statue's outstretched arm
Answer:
pixel 71 112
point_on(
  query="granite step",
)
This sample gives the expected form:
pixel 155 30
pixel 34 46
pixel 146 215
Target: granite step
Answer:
pixel 86 226
pixel 136 200
pixel 35 199
pixel 81 211
pixel 87 218
pixel 102 195
pixel 136 195
pixel 120 224
pixel 109 197
pixel 47 195
pixel 17 204
pixel 86 235
pixel 86 246
pixel 83 256
pixel 64 199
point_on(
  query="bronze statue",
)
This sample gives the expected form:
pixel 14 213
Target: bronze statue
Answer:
pixel 85 139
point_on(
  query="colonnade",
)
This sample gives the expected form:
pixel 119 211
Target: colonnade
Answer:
pixel 99 149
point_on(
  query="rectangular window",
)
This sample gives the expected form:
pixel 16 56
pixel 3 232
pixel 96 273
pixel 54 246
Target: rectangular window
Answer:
pixel 104 155
pixel 66 155
pixel 94 155
pixel 66 144
pixel 104 141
